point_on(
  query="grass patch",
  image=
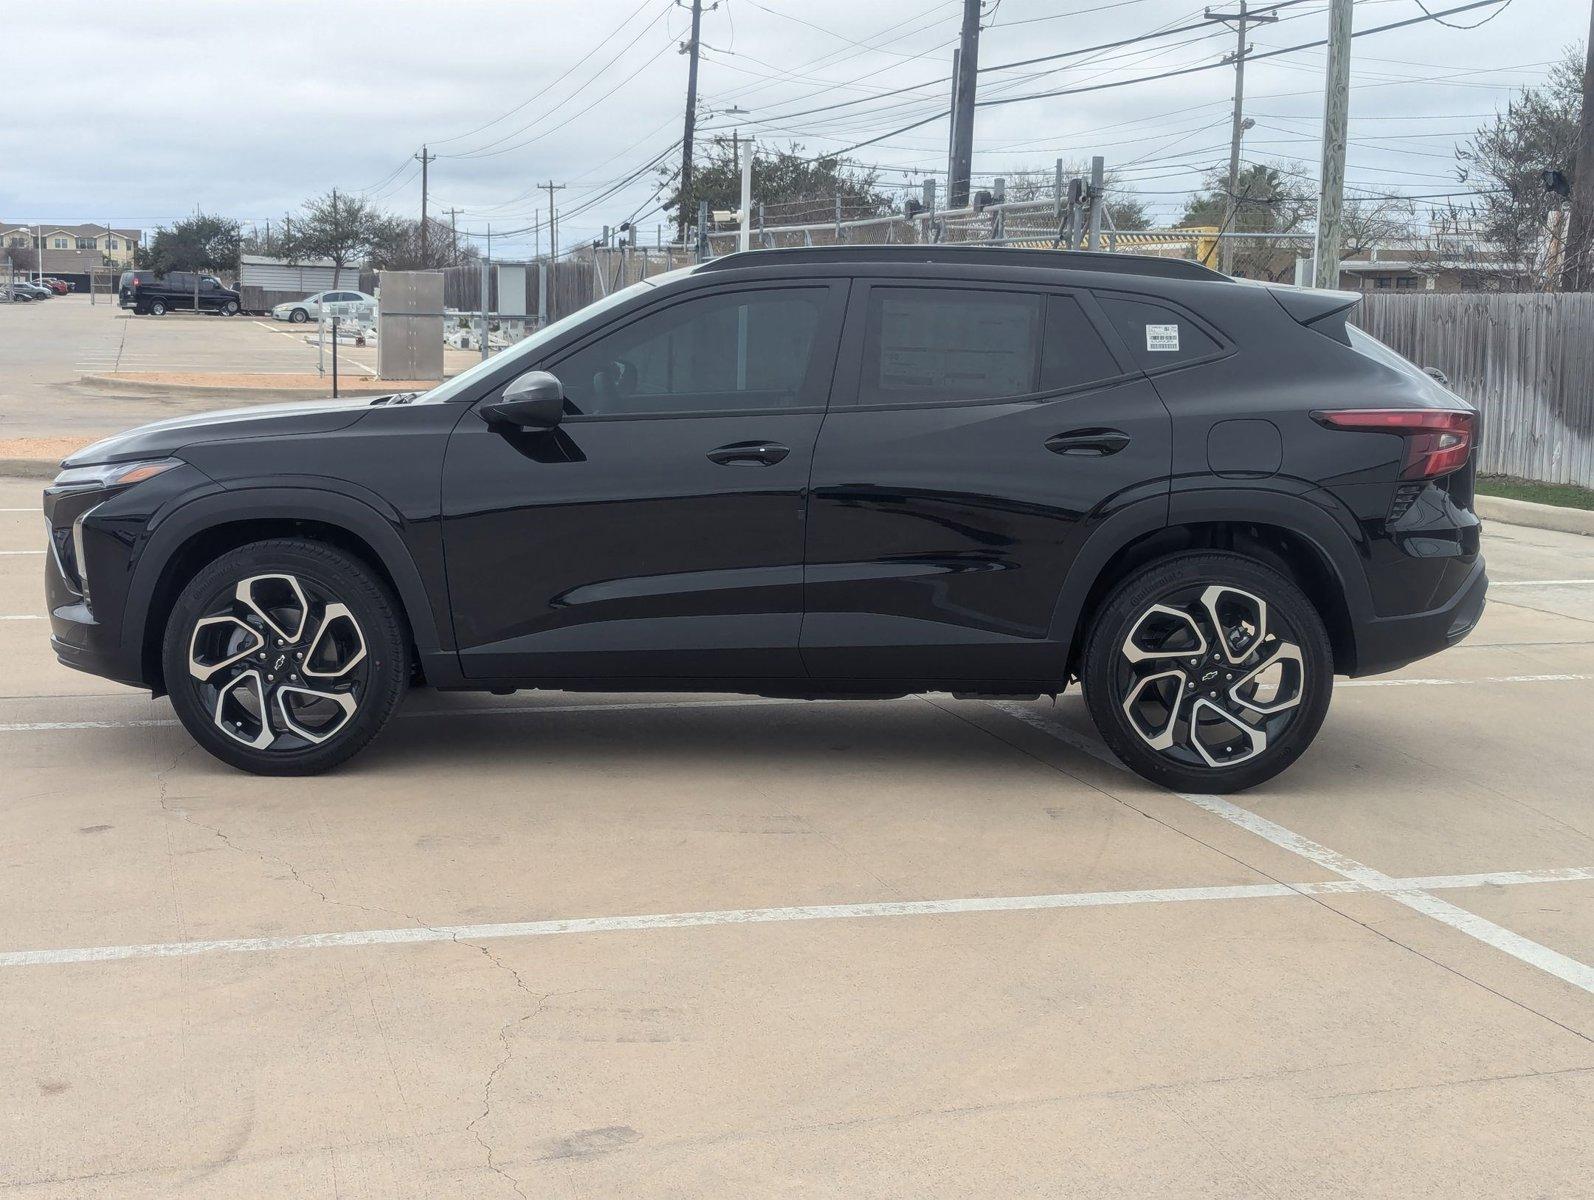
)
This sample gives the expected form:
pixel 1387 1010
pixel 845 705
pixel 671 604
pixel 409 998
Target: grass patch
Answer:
pixel 1566 495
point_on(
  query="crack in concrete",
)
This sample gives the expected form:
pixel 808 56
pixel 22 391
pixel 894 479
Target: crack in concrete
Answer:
pixel 540 999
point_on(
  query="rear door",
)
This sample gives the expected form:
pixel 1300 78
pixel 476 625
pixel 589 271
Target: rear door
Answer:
pixel 976 433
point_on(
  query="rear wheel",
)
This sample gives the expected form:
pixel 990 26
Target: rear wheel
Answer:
pixel 157 308
pixel 1208 672
pixel 285 657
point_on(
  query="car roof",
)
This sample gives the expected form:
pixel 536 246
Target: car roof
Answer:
pixel 1140 265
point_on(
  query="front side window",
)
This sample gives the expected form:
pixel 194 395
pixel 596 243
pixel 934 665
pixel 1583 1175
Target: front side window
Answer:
pixel 730 352
pixel 950 345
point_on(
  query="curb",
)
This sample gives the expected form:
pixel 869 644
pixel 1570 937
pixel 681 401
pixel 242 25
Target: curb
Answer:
pixel 1535 516
pixel 347 389
pixel 29 468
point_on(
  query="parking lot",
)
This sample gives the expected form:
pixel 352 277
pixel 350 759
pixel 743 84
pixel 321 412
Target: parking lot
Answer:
pixel 576 945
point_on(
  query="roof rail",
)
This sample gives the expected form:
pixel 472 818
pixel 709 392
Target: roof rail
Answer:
pixel 1004 256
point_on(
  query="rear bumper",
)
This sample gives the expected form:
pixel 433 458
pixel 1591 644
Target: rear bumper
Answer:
pixel 1386 643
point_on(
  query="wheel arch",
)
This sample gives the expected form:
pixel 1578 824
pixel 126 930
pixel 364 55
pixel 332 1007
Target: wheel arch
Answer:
pixel 210 526
pixel 1287 532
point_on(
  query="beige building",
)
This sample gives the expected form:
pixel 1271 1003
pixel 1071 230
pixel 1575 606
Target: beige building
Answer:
pixel 72 249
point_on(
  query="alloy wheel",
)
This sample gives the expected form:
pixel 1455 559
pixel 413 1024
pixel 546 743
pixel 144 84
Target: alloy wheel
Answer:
pixel 1208 676
pixel 278 662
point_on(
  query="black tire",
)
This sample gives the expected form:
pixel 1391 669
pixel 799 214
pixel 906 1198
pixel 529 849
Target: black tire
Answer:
pixel 157 308
pixel 230 309
pixel 298 316
pixel 285 721
pixel 1155 675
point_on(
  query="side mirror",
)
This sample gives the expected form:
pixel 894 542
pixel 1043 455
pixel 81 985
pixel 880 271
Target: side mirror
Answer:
pixel 536 400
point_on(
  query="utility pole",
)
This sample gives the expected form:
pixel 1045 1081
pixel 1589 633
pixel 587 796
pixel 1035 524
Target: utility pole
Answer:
pixel 1231 204
pixel 690 48
pixel 453 235
pixel 1577 272
pixel 425 160
pixel 1336 105
pixel 968 66
pixel 745 233
pixel 553 221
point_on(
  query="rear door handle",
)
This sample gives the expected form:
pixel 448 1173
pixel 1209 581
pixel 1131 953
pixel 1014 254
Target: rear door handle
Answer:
pixel 749 454
pixel 1092 443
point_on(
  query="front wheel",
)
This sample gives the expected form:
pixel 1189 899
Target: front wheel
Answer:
pixel 285 657
pixel 298 316
pixel 1208 672
pixel 230 309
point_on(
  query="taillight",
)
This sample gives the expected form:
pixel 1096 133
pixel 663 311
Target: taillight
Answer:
pixel 1438 441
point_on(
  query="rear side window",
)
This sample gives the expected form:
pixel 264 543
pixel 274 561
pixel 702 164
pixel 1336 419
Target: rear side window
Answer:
pixel 1156 336
pixel 946 345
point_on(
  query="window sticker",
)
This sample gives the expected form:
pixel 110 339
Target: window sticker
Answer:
pixel 1162 338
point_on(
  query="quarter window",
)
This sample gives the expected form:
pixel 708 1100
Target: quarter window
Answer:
pixel 725 353
pixel 1156 336
pixel 951 345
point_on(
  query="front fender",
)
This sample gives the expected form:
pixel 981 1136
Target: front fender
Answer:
pixel 242 502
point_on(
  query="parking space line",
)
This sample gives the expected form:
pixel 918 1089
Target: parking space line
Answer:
pixel 419 934
pixel 1561 678
pixel 1499 583
pixel 1409 893
pixel 20 617
pixel 20 552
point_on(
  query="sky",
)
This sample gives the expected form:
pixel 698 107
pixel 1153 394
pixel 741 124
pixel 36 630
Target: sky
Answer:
pixel 138 114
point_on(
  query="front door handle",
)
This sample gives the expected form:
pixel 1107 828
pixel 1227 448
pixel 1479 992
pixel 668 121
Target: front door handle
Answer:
pixel 749 454
pixel 1092 443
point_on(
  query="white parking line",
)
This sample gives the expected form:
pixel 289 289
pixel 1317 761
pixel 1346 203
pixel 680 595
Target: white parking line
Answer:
pixel 21 551
pixel 20 617
pixel 1360 683
pixel 762 916
pixel 35 509
pixel 1408 892
pixel 1499 583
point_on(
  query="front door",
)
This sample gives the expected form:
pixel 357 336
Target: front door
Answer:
pixel 658 531
pixel 977 431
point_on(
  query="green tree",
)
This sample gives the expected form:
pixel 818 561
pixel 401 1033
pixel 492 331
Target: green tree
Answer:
pixel 334 227
pixel 794 189
pixel 199 243
pixel 1504 159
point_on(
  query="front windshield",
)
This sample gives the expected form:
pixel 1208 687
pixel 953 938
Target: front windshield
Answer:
pixel 527 350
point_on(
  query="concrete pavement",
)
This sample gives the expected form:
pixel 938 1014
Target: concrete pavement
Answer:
pixel 559 945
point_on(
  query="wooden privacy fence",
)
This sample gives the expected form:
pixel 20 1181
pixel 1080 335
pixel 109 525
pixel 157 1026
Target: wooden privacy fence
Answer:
pixel 1525 359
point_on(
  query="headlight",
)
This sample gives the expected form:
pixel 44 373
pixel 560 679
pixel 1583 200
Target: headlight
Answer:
pixel 104 476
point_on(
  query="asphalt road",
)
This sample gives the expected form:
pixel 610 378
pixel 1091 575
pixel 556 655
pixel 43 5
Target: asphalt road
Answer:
pixel 653 946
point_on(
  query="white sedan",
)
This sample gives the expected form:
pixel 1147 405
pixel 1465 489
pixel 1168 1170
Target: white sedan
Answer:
pixel 358 305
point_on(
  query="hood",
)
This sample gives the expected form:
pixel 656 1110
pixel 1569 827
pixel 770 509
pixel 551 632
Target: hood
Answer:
pixel 266 420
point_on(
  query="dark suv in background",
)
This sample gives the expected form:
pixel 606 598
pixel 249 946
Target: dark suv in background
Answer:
pixel 810 473
pixel 176 291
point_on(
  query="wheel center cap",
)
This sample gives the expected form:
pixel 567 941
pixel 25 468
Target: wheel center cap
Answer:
pixel 282 661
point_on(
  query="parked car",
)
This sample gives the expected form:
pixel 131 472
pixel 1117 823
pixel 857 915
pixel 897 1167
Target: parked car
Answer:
pixel 22 293
pixel 356 305
pixel 176 291
pixel 59 286
pixel 34 291
pixel 845 472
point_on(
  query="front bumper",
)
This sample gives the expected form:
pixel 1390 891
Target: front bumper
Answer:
pixel 1387 643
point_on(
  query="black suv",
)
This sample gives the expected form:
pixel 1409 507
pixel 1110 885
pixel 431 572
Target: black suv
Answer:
pixel 176 291
pixel 809 473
